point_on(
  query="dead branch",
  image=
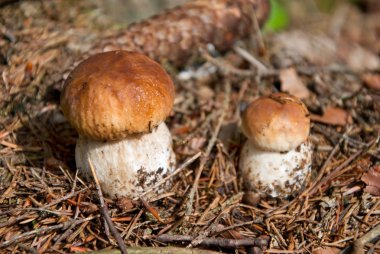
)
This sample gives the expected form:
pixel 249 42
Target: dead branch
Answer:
pixel 156 250
pixel 189 205
pixel 214 242
pixel 104 211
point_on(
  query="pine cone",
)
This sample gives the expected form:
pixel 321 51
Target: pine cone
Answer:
pixel 176 35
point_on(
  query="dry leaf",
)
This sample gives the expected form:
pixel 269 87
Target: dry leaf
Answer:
pixel 229 133
pixel 206 93
pixel 125 203
pixel 182 130
pixel 322 50
pixel 333 116
pixel 291 83
pixel 197 143
pixel 251 198
pixel 78 249
pixel 10 234
pixel 315 48
pixel 51 162
pixel 372 179
pixel 234 234
pixel 326 250
pixel 361 59
pixel 152 210
pixel 372 81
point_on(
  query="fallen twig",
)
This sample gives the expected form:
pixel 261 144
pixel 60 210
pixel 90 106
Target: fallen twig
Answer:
pixel 214 242
pixel 236 226
pixel 70 229
pixel 156 250
pixel 261 68
pixel 222 210
pixel 176 172
pixel 327 162
pixel 340 167
pixel 104 211
pixel 189 205
pixel 224 66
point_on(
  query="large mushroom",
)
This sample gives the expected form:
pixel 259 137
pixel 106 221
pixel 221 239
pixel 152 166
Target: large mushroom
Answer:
pixel 276 158
pixel 118 101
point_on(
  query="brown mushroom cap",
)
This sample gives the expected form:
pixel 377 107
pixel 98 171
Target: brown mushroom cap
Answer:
pixel 113 94
pixel 278 122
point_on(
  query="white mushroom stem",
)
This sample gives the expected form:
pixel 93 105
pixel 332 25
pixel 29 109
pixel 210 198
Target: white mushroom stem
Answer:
pixel 274 173
pixel 130 166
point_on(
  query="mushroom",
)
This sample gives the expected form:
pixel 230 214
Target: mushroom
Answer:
pixel 276 158
pixel 117 101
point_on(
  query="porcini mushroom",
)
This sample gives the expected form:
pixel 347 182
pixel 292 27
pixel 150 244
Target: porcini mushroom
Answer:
pixel 118 102
pixel 276 158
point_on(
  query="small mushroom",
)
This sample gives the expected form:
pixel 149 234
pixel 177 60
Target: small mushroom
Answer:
pixel 118 101
pixel 276 158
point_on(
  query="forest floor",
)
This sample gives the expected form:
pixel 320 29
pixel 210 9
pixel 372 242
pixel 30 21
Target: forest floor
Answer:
pixel 328 59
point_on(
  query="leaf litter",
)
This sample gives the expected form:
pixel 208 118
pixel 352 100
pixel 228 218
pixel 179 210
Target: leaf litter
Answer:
pixel 46 207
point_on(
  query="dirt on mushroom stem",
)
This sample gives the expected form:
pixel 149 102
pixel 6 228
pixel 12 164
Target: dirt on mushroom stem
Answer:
pixel 37 160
